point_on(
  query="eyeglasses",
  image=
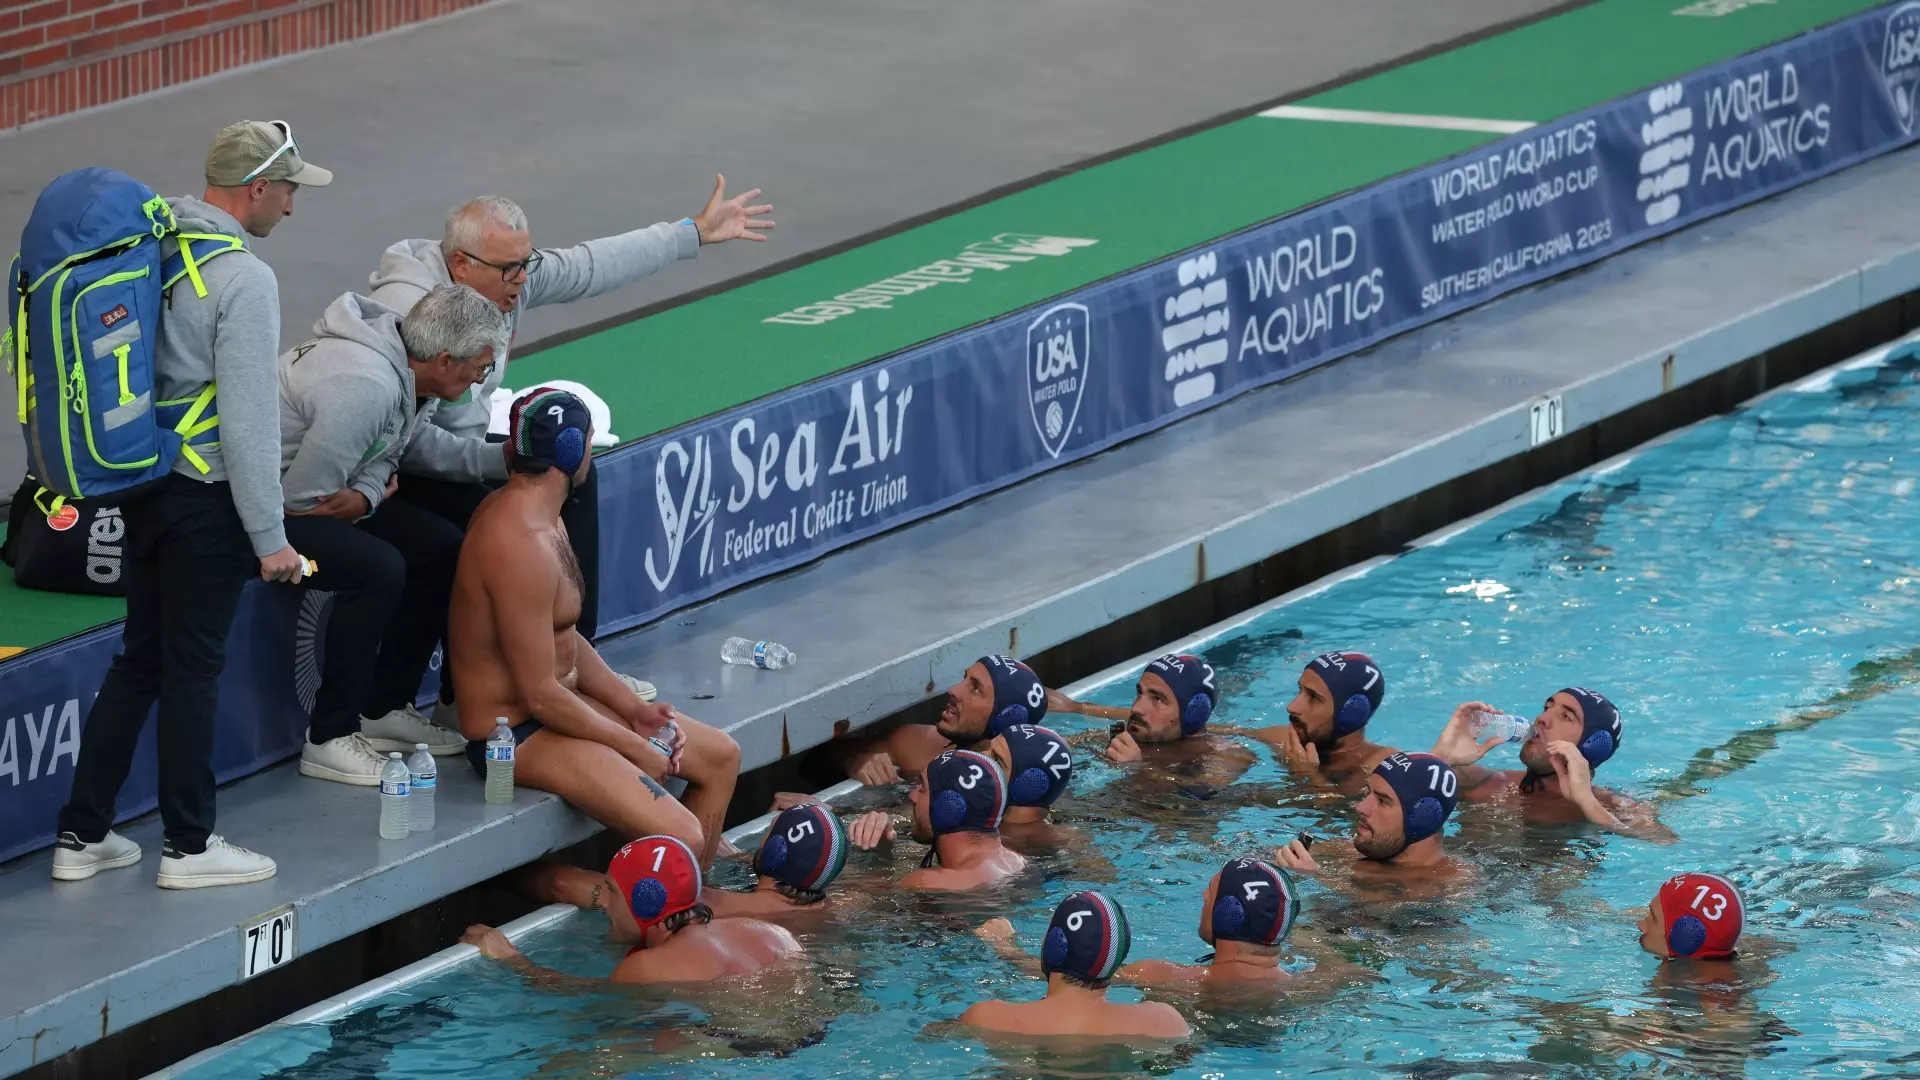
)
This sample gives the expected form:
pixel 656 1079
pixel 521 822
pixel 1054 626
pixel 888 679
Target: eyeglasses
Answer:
pixel 275 156
pixel 509 271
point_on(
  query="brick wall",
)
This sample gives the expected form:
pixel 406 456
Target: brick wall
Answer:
pixel 57 56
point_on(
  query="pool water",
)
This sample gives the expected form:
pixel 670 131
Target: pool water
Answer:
pixel 1748 591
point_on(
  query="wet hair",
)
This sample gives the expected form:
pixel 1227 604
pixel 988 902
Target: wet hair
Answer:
pixel 1084 984
pixel 678 921
pixel 803 897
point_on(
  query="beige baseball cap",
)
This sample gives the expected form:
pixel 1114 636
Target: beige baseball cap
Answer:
pixel 260 150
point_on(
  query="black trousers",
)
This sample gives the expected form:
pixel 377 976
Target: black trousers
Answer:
pixel 187 560
pixel 456 503
pixel 391 576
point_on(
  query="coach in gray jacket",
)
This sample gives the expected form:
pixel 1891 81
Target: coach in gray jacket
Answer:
pixel 487 245
pixel 353 401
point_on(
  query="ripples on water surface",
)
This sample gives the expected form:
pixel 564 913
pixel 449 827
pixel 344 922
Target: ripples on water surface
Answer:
pixel 1747 591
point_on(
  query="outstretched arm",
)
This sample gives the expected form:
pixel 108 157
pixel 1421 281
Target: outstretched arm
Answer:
pixel 1058 702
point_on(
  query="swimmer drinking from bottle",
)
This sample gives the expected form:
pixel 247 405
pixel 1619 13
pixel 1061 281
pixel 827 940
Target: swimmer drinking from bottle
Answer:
pixel 1576 732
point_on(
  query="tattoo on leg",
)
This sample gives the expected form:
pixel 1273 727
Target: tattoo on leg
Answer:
pixel 654 786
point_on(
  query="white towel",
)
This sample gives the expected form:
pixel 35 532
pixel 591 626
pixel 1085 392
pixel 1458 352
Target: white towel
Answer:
pixel 602 416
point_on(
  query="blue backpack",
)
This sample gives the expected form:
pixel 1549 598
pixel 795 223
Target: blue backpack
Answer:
pixel 89 280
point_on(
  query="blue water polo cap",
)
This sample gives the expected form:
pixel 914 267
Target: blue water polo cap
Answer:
pixel 1191 680
pixel 1600 729
pixel 550 426
pixel 1257 902
pixel 1428 791
pixel 1042 766
pixel 1018 697
pixel 1088 938
pixel 965 793
pixel 805 847
pixel 1356 685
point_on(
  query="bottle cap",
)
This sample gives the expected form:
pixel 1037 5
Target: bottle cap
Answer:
pixel 419 746
pixel 394 754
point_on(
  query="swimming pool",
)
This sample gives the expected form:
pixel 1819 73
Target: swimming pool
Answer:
pixel 1748 590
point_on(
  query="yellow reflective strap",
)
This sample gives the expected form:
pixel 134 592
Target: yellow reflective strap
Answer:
pixel 20 354
pixel 193 270
pixel 192 426
pixel 48 508
pixel 120 355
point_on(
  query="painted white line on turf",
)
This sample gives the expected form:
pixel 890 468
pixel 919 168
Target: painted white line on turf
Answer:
pixel 1389 119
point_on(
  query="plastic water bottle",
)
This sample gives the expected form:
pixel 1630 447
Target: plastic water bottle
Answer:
pixel 425 778
pixel 394 781
pixel 500 750
pixel 1509 727
pixel 760 654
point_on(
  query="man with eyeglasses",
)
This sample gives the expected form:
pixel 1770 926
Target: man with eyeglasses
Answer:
pixel 214 522
pixel 487 245
pixel 353 400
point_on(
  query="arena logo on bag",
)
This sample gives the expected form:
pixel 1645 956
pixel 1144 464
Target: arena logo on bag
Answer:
pixel 1900 63
pixel 1059 349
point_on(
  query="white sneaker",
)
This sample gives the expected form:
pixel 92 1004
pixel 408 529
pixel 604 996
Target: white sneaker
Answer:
pixel 446 714
pixel 645 689
pixel 221 864
pixel 349 759
pixel 75 861
pixel 402 728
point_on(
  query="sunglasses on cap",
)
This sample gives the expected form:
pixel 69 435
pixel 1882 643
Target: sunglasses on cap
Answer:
pixel 289 144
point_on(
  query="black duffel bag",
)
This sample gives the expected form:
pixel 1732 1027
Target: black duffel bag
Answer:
pixel 77 548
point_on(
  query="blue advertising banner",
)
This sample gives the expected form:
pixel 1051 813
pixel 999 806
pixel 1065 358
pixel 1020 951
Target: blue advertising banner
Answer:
pixel 266 694
pixel 762 488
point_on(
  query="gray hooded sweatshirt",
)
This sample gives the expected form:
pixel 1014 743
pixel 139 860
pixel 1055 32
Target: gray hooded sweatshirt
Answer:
pixel 228 337
pixel 410 268
pixel 348 411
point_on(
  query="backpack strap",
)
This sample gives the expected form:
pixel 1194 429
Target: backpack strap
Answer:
pixel 15 343
pixel 212 245
pixel 191 426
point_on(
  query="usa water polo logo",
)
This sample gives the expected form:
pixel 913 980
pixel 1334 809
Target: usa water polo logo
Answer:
pixel 1900 63
pixel 1059 348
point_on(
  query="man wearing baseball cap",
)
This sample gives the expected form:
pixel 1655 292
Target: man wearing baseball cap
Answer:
pixel 215 521
pixel 652 895
pixel 517 653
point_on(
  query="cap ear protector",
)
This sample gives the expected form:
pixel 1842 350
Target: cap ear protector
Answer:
pixel 772 857
pixel 1018 696
pixel 1686 936
pixel 948 810
pixel 1191 680
pixel 1229 917
pixel 1356 683
pixel 647 899
pixel 1352 715
pixel 1053 952
pixel 1600 725
pixel 569 449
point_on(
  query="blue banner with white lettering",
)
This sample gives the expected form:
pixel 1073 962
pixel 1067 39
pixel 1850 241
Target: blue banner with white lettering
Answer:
pixel 266 694
pixel 691 512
